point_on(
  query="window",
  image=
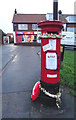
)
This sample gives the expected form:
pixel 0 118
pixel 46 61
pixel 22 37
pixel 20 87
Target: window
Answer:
pixel 71 29
pixel 49 16
pixel 28 38
pixel 71 19
pixel 34 26
pixel 14 27
pixel 22 26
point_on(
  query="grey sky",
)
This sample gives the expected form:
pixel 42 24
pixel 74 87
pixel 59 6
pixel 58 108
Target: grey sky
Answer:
pixel 7 8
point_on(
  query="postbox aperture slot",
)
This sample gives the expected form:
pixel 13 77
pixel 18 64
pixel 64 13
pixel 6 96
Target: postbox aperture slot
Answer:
pixel 52 32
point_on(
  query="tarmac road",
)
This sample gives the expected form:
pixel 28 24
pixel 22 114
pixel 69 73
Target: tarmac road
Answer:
pixel 20 71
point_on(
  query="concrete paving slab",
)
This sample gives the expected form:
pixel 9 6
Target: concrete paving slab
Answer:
pixel 20 105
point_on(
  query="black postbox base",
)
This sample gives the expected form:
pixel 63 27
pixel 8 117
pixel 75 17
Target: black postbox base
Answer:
pixel 50 87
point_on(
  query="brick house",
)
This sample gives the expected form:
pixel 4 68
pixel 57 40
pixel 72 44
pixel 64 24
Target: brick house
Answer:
pixel 25 27
pixel 68 19
pixel 70 22
pixel 2 34
pixel 11 37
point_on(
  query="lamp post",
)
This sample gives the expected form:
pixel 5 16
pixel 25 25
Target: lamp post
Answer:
pixel 55 9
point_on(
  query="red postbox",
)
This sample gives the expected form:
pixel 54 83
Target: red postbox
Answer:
pixel 50 58
pixel 50 54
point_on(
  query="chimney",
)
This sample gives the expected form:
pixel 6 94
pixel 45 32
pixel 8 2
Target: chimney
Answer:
pixel 55 9
pixel 15 12
pixel 60 14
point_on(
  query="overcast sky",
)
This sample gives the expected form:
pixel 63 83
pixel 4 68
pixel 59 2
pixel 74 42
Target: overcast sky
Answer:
pixel 7 8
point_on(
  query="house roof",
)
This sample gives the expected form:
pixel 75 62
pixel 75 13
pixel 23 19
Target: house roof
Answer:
pixel 70 18
pixel 28 18
pixel 9 34
pixel 66 15
pixel 36 18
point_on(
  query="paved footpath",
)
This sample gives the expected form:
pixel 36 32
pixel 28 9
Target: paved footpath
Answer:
pixel 20 71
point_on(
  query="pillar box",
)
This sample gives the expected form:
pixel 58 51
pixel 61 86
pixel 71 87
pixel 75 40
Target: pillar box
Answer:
pixel 50 55
pixel 50 60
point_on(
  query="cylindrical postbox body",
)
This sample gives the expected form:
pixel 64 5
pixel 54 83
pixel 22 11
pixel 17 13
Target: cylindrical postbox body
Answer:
pixel 50 54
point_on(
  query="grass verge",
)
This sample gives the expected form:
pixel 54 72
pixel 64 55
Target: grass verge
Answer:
pixel 67 72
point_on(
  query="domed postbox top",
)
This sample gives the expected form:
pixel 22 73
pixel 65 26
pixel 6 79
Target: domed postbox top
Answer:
pixel 51 26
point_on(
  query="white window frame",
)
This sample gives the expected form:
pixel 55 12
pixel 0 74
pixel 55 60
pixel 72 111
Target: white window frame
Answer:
pixel 22 26
pixel 34 26
pixel 71 29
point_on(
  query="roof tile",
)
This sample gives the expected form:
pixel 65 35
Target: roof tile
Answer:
pixel 28 18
